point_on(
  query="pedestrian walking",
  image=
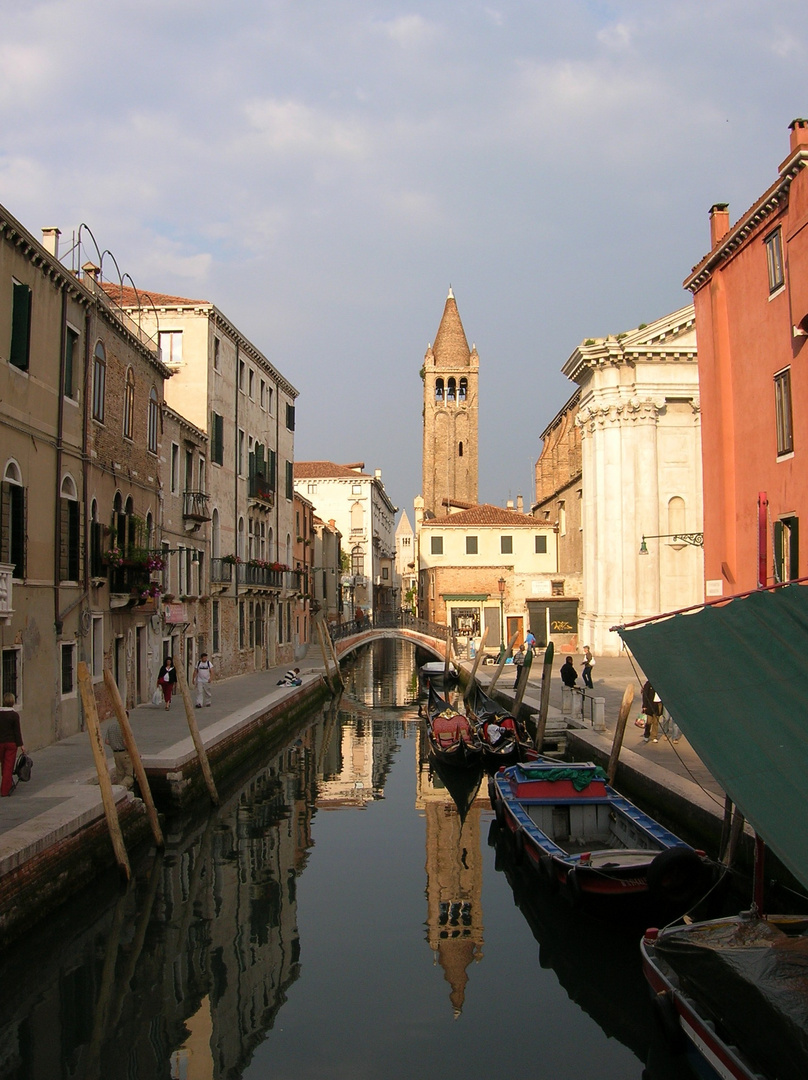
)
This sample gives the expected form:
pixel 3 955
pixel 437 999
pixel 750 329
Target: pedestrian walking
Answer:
pixel 11 742
pixel 569 676
pixel 586 670
pixel 203 677
pixel 518 663
pixel 530 640
pixel 652 708
pixel 167 680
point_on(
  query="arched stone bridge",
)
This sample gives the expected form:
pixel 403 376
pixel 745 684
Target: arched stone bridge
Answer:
pixel 429 636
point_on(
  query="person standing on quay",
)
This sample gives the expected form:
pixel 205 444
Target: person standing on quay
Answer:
pixel 569 676
pixel 10 743
pixel 652 707
pixel 589 663
pixel 167 680
pixel 518 663
pixel 203 677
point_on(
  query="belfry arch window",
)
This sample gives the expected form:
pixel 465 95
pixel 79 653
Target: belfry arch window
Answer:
pixel 460 449
pixel 438 389
pixel 462 389
pixel 450 390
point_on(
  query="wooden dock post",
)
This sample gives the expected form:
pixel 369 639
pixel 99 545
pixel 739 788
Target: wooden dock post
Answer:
pixel 544 706
pixel 137 764
pixel 619 731
pixel 101 767
pixel 475 665
pixel 324 651
pixel 501 664
pixel 182 682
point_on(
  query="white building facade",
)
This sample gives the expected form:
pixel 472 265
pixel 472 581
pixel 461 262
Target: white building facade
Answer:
pixel 641 475
pixel 362 511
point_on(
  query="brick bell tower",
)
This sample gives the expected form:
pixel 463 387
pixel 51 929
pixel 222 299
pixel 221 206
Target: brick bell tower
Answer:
pixel 450 461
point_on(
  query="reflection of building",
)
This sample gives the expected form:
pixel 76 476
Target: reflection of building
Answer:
pixel 383 674
pixel 184 974
pixel 354 759
pixel 454 878
pixel 641 474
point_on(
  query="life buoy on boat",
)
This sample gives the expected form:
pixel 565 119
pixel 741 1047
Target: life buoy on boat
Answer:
pixel 677 876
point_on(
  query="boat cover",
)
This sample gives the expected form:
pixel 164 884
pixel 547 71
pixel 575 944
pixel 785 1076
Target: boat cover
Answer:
pixel 753 979
pixel 735 678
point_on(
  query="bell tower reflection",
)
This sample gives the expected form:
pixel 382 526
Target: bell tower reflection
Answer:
pixel 453 870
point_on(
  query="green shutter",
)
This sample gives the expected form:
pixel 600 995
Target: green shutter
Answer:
pixel 20 326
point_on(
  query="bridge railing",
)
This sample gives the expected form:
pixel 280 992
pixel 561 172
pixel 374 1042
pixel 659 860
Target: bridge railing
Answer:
pixel 389 620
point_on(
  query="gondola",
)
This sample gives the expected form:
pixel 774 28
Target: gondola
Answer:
pixel 503 737
pixel 450 734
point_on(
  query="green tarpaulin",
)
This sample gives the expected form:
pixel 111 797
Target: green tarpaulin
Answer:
pixel 735 679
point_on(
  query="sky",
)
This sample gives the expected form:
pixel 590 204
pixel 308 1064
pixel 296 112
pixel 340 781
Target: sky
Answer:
pixel 324 171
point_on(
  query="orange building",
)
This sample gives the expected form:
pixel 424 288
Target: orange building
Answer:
pixel 751 298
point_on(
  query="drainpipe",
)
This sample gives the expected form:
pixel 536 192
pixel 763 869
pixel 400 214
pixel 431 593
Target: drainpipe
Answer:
pixel 235 486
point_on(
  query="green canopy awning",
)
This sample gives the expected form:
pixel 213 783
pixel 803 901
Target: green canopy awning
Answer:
pixel 735 679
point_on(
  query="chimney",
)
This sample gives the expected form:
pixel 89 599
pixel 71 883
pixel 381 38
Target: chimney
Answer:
pixel 799 135
pixel 719 223
pixel 520 504
pixel 377 473
pixel 509 504
pixel 91 271
pixel 50 241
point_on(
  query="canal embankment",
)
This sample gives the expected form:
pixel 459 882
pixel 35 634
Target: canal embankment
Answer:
pixel 54 839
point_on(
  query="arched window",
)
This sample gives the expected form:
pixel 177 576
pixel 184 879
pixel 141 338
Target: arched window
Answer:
pixel 215 536
pixel 149 531
pixel 69 531
pixel 462 389
pixel 154 412
pixel 288 550
pixel 240 538
pixel 99 382
pixel 450 390
pixel 357 561
pixel 12 519
pixel 438 389
pixel 271 553
pixel 129 405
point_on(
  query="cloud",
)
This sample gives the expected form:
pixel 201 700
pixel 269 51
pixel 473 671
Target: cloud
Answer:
pixel 290 127
pixel 411 31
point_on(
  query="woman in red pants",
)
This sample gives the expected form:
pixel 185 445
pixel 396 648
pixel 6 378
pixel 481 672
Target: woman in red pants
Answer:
pixel 167 680
pixel 10 743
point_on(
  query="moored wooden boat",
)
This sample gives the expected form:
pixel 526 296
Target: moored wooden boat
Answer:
pixel 582 835
pixel 450 734
pixel 503 737
pixel 731 983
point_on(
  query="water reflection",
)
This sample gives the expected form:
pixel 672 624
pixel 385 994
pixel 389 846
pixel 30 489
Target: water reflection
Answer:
pixel 383 675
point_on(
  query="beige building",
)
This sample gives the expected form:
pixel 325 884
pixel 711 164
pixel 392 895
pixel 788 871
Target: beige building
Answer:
pixel 639 419
pixel 406 564
pixel 81 399
pixel 232 393
pixel 450 450
pixel 487 567
pixel 559 501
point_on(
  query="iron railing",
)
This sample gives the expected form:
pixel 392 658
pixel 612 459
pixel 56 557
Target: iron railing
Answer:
pixel 389 620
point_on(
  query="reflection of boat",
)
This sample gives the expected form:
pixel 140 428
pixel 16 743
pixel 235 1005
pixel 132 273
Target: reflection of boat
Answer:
pixel 504 738
pixel 596 963
pixel 580 833
pixel 449 732
pixel 738 987
pixel 462 784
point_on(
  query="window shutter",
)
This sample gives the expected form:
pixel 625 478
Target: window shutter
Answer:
pixel 794 549
pixel 64 539
pixel 20 326
pixel 74 570
pixel 5 522
pixel 18 529
pixel 272 470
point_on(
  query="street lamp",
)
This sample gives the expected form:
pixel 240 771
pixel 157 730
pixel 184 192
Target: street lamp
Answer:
pixel 501 584
pixel 694 539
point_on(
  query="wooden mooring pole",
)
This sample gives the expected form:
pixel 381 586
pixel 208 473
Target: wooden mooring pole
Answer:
pixel 101 767
pixel 134 754
pixel 546 679
pixel 619 731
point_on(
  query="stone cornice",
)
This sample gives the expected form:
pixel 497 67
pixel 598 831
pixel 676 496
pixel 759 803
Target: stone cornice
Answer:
pixel 772 202
pixel 624 411
pixel 658 342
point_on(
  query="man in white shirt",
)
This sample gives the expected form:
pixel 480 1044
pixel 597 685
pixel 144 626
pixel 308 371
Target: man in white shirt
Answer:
pixel 203 676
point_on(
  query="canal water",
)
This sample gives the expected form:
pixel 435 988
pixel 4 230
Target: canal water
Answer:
pixel 341 915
